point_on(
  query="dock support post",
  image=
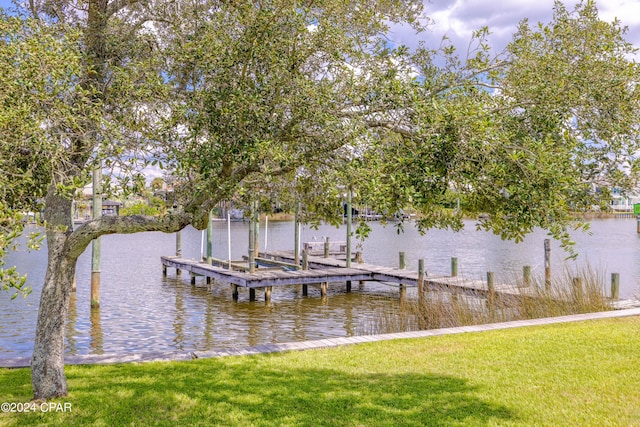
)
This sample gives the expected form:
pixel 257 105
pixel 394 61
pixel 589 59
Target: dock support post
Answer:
pixel 420 277
pixel 256 229
pixel 252 239
pixel 491 288
pixel 267 293
pixel 403 293
pixel 401 262
pixel 323 289
pixel 193 279
pixel 252 294
pixel 454 267
pixel 615 286
pixel 178 249
pixel 326 247
pixel 526 275
pixel 547 264
pixel 349 220
pixel 164 270
pixel 95 244
pixel 305 266
pixel 210 238
pixel 296 232
pixel 235 292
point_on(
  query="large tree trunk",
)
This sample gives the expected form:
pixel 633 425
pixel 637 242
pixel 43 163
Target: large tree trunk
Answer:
pixel 47 363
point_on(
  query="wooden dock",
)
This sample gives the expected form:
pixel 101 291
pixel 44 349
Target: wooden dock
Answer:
pixel 407 278
pixel 323 270
pixel 278 268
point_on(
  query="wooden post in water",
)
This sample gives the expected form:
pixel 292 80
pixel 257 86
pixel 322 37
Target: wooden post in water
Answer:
pixel 267 293
pixel 252 294
pixel 209 243
pixel 266 231
pixel 454 267
pixel 420 277
pixel 526 275
pixel 296 247
pixel 95 244
pixel 615 286
pixel 305 266
pixel 229 235
pixel 491 287
pixel 252 240
pixel 178 249
pixel 323 289
pixel 547 264
pixel 401 262
pixel 235 292
pixel 210 238
pixel 349 220
pixel 326 247
pixel 256 229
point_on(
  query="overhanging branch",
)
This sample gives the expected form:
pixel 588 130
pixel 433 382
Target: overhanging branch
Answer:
pixel 83 235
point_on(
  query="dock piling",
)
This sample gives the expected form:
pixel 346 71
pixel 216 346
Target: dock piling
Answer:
pixel 491 288
pixel 547 264
pixel 454 267
pixel 615 286
pixel 305 266
pixel 178 249
pixel 401 261
pixel 420 277
pixel 326 247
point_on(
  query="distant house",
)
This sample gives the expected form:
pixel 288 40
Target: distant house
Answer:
pixel 84 209
pixel 623 202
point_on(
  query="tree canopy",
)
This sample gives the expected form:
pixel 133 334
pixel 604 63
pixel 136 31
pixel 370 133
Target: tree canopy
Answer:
pixel 302 99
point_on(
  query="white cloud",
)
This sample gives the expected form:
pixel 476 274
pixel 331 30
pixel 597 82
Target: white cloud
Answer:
pixel 457 19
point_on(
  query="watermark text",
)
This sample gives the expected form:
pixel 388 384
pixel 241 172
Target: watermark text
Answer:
pixel 23 407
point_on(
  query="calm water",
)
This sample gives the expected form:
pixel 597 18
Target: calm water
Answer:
pixel 141 311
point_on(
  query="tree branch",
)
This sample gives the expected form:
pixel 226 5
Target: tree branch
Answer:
pixel 83 235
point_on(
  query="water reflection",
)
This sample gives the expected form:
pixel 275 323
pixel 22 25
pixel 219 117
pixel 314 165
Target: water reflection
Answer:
pixel 97 338
pixel 142 311
pixel 70 329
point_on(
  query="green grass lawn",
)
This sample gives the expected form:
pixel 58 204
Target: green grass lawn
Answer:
pixel 576 374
